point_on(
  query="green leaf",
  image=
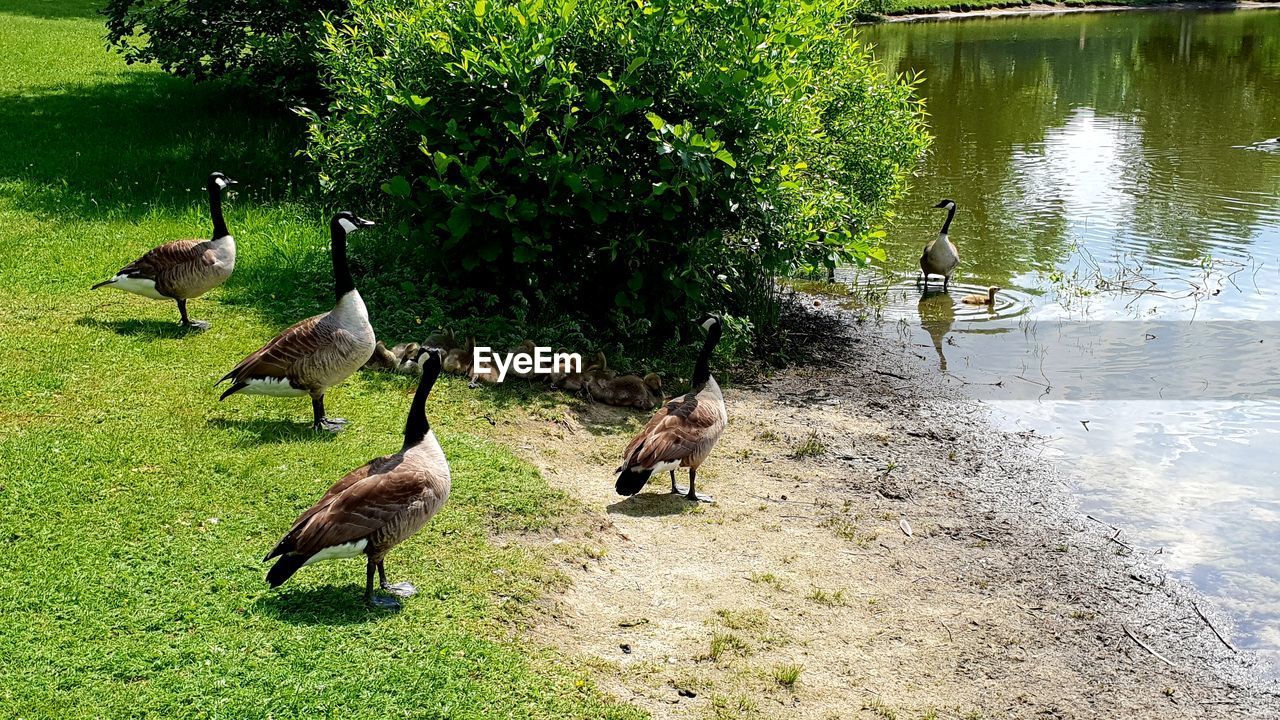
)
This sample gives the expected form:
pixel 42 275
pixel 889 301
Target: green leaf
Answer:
pixel 397 187
pixel 481 6
pixel 459 221
pixel 657 122
pixel 441 162
pixel 724 157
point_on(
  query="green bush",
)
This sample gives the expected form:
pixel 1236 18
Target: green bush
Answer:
pixel 632 162
pixel 267 43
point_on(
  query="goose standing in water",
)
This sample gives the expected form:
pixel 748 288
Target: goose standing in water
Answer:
pixel 184 269
pixel 682 433
pixel 375 507
pixel 941 256
pixel 319 352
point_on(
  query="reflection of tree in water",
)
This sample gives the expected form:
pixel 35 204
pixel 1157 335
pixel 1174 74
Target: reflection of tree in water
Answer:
pixel 1175 84
pixel 937 315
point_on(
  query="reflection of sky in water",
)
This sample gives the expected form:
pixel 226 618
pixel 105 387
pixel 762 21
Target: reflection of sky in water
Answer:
pixel 1098 142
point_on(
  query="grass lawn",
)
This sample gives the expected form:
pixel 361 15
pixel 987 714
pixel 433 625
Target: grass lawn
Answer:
pixel 138 508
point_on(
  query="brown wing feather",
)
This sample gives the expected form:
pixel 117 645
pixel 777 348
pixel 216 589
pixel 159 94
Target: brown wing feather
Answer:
pixel 357 511
pixel 277 357
pixel 158 260
pixel 674 433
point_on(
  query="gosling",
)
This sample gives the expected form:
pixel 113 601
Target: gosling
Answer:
pixel 988 299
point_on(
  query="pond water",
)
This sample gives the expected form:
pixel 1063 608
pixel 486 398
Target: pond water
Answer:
pixel 1107 179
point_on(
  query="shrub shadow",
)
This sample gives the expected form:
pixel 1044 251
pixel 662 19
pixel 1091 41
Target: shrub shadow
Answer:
pixel 120 149
pixel 324 605
pixel 53 9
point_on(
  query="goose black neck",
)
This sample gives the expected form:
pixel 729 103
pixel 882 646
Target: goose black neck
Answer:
pixel 342 282
pixel 951 213
pixel 416 427
pixel 215 211
pixel 702 370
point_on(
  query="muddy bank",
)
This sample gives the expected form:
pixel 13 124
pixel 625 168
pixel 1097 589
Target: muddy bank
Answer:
pixel 874 536
pixel 1049 9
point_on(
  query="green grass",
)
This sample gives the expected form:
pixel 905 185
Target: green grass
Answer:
pixel 137 508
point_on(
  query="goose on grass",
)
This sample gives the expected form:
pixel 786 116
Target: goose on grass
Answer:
pixel 319 352
pixel 375 507
pixel 682 433
pixel 184 269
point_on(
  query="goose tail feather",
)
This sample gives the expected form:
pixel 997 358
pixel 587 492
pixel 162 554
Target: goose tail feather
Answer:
pixel 631 480
pixel 284 569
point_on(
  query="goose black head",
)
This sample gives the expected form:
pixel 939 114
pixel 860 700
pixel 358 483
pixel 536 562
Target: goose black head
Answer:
pixel 946 203
pixel 220 181
pixel 351 222
pixel 709 321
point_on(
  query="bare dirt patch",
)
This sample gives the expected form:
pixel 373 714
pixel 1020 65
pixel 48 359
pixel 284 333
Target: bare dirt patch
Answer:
pixel 876 550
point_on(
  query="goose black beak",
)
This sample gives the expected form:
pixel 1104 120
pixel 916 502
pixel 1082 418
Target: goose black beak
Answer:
pixel 365 223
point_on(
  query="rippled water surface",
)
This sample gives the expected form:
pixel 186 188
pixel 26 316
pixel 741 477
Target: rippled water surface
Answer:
pixel 1108 180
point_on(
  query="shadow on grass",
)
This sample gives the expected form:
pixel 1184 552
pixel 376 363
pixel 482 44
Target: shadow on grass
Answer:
pixel 325 605
pixel 652 504
pixel 260 431
pixel 142 140
pixel 153 329
pixel 53 9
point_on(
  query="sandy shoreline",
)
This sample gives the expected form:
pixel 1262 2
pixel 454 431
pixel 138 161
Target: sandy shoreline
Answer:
pixel 1045 9
pixel 873 529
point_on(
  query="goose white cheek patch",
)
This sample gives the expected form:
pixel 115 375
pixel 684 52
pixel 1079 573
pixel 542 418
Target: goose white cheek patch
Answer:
pixel 347 225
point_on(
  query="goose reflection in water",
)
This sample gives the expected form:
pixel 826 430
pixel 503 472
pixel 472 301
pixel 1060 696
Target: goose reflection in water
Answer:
pixel 937 315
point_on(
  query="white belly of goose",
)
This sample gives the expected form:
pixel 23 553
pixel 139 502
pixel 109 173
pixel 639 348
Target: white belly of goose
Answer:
pixel 137 286
pixel 339 552
pixel 276 387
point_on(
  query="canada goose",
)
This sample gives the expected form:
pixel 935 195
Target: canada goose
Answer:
pixel 405 355
pixel 525 349
pixel 184 269
pixel 458 360
pixel 319 352
pixel 988 299
pixel 682 433
pixel 444 340
pixel 376 507
pixel 578 381
pixel 405 350
pixel 941 256
pixel 627 391
pixel 382 358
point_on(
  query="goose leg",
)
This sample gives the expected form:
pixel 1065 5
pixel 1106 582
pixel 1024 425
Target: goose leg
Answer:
pixel 402 589
pixel 188 322
pixel 946 280
pixel 319 421
pixel 693 495
pixel 377 601
pixel 676 489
